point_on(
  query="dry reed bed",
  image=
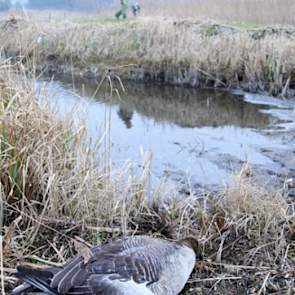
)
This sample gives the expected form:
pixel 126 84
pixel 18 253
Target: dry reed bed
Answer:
pixel 241 11
pixel 158 49
pixel 55 186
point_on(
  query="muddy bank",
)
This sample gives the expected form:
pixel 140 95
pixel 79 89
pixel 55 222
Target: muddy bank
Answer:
pixel 180 77
pixel 177 52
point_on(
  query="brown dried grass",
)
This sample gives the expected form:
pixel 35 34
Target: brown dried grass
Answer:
pixel 267 12
pixel 61 187
pixel 166 50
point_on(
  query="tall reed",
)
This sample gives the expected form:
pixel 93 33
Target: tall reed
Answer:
pixel 181 52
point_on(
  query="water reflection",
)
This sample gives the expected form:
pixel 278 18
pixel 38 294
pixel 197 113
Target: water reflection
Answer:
pixel 196 136
pixel 125 114
pixel 187 108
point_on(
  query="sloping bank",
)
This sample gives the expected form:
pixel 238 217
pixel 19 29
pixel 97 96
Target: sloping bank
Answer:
pixel 56 186
pixel 178 52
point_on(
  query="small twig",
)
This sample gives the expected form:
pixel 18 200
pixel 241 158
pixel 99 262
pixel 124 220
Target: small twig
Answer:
pixel 253 252
pixel 58 252
pixel 264 284
pixel 285 257
pixel 122 67
pixel 1 242
pixel 1 265
pixel 219 253
pixel 285 89
pixel 107 229
pixel 212 77
pixel 44 261
pixel 226 247
pixel 121 83
pixel 214 279
pixel 241 266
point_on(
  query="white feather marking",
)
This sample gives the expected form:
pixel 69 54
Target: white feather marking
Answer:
pixel 131 288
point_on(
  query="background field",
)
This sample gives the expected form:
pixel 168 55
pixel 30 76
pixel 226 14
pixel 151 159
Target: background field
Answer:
pixel 249 11
pixel 238 11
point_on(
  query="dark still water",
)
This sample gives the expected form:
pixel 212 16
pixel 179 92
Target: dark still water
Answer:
pixel 195 136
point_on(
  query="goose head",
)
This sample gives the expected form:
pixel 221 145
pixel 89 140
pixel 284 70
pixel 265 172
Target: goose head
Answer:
pixel 194 244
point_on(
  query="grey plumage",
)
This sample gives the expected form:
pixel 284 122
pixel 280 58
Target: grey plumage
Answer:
pixel 134 265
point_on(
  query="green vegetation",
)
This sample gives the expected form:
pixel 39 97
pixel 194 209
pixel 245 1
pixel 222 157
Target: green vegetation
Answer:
pixel 246 26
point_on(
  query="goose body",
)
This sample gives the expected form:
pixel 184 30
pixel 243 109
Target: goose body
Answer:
pixel 138 265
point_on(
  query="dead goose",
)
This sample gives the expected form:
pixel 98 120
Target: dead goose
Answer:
pixel 138 265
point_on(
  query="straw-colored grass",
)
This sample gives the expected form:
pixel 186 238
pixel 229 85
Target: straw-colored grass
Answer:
pixel 248 12
pixel 181 52
pixel 56 186
pixel 245 13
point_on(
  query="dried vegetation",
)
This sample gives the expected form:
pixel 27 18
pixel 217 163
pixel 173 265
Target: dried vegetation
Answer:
pixel 171 51
pixel 56 186
pixel 247 13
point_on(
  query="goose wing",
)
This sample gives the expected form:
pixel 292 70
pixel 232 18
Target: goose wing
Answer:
pixel 135 264
pixel 137 259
